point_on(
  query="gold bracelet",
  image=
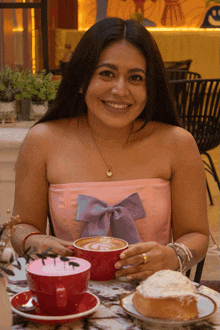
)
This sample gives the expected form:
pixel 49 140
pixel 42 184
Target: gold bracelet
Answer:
pixel 26 237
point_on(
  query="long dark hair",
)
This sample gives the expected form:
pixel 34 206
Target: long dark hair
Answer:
pixel 70 103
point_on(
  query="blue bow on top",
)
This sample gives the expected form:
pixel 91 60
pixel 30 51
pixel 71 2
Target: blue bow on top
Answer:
pixel 99 217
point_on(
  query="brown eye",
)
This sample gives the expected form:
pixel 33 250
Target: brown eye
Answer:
pixel 106 73
pixel 136 77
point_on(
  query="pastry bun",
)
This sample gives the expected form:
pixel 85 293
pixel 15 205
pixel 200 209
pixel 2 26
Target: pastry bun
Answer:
pixel 168 295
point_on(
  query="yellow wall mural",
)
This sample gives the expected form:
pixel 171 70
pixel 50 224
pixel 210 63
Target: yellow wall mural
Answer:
pixel 153 13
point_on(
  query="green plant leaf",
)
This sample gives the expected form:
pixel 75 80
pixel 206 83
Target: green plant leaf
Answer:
pixel 47 250
pixel 4 262
pixel 41 255
pixel 73 264
pixel 52 255
pixel 64 259
pixel 27 250
pixel 11 259
pixel 18 265
pixel 7 271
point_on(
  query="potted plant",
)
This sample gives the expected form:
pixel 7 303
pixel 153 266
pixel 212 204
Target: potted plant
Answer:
pixel 40 89
pixel 9 91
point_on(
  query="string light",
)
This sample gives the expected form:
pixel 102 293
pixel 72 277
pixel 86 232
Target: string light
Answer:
pixel 18 29
pixel 33 41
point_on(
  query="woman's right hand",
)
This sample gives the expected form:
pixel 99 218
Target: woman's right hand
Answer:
pixel 43 242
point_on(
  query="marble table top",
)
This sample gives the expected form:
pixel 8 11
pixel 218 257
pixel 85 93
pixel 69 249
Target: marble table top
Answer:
pixel 110 315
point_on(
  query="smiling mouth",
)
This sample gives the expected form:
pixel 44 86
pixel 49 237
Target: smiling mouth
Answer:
pixel 116 106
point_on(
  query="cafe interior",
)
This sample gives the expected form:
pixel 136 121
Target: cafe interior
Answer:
pixel 42 35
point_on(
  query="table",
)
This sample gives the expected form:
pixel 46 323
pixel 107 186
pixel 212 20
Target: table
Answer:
pixel 110 315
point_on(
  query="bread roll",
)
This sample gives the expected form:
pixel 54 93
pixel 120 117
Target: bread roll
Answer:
pixel 168 295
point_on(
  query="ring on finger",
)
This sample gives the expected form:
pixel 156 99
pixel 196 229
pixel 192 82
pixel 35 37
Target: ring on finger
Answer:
pixel 145 258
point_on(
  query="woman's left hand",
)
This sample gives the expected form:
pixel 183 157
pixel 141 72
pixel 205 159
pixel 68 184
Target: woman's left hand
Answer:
pixel 158 257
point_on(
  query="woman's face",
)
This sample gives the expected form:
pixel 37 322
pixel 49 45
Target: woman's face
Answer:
pixel 117 94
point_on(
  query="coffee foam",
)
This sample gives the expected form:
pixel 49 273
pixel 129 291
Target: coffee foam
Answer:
pixel 99 246
pixel 60 268
pixel 100 243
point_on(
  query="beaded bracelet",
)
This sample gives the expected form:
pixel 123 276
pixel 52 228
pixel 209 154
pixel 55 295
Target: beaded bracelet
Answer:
pixel 182 253
pixel 26 237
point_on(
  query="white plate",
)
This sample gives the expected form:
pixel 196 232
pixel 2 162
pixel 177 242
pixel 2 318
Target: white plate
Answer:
pixel 206 307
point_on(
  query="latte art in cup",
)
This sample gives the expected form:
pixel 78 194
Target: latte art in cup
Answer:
pixel 101 243
pixel 102 252
pixel 99 246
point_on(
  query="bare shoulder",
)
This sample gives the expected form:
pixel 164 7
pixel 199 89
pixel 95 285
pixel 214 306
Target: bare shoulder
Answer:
pixel 169 129
pixel 176 136
pixel 182 141
pixel 184 152
pixel 178 144
pixel 36 145
pixel 44 133
pixel 48 128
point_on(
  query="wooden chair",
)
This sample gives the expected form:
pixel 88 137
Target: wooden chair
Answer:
pixel 178 65
pixel 182 75
pixel 198 104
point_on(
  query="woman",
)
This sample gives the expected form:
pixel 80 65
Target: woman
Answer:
pixel 112 139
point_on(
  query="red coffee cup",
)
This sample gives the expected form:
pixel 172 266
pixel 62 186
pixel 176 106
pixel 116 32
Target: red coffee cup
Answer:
pixel 102 252
pixel 58 286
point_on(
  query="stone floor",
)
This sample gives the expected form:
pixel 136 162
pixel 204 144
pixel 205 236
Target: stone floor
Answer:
pixel 10 141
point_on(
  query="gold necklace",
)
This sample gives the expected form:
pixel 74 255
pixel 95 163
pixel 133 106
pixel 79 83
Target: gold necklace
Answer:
pixel 109 172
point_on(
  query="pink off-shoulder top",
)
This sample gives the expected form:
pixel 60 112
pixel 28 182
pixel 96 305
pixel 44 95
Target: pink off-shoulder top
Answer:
pixel 154 194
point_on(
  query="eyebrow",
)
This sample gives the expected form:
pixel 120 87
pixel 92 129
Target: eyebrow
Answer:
pixel 114 67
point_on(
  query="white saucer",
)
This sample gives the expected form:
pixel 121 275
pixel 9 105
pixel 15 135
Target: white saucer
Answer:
pixel 206 307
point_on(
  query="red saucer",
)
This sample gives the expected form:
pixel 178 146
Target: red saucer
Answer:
pixel 88 305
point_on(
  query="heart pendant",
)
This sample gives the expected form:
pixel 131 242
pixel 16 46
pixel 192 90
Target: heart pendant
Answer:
pixel 109 173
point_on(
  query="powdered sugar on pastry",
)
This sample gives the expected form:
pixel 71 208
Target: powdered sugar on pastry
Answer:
pixel 167 283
